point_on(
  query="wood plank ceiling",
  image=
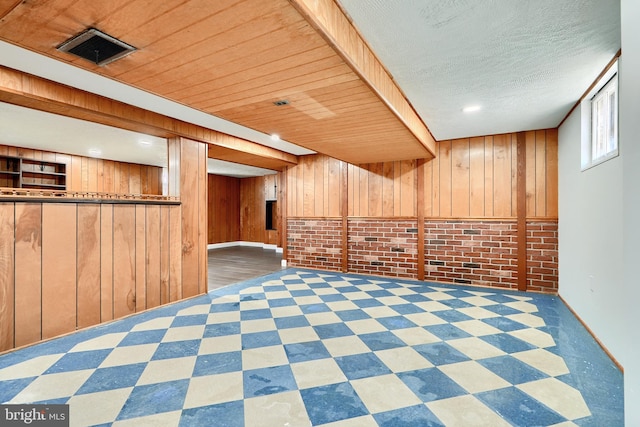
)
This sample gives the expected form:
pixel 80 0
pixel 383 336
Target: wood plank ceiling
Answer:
pixel 234 59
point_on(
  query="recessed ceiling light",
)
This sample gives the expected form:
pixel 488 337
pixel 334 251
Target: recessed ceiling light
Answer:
pixel 471 109
pixel 145 142
pixel 94 152
pixel 275 137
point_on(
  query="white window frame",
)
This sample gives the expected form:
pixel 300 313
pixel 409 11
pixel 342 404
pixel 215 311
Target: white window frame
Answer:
pixel 600 131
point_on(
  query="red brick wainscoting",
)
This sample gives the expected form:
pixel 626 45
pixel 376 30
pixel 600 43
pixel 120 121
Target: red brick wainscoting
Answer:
pixel 387 247
pixel 315 243
pixel 476 252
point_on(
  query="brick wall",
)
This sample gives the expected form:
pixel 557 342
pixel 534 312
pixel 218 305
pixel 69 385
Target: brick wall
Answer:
pixel 542 256
pixel 471 252
pixel 467 252
pixel 315 243
pixel 386 247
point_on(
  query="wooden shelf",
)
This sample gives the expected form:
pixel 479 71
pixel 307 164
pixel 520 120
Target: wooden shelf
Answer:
pixel 30 173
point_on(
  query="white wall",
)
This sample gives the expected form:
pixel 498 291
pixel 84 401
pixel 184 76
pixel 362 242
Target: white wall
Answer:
pixel 630 141
pixel 599 225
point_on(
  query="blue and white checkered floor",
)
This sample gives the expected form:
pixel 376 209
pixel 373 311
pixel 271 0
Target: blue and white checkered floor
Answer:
pixel 310 348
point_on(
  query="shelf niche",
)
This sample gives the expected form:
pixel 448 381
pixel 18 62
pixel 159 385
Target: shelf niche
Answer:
pixel 16 172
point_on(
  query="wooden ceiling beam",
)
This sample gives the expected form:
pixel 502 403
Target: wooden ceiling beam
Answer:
pixel 34 92
pixel 328 19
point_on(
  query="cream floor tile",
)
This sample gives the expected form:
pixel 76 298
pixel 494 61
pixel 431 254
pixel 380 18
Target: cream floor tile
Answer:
pixel 370 287
pixel 534 337
pixel 278 294
pixel 97 408
pixel 562 398
pixel 473 377
pixel 478 312
pixel 353 296
pixel 220 344
pixel 29 368
pixel 325 291
pixel 342 305
pixel 223 317
pixel 481 293
pixel 214 389
pixel 297 287
pixel 292 310
pixel 378 312
pixel 384 393
pixel 153 324
pixel 465 411
pixel 226 299
pixel 425 319
pixel 158 371
pixel 402 291
pixel 520 297
pixel 99 343
pixel 432 306
pixel 129 355
pixel 264 357
pixel 392 300
pixel 165 419
pixel 196 309
pixel 365 326
pixel 477 328
pixel 543 360
pixel 254 305
pixel 316 373
pixel 53 386
pixel 345 346
pixel 296 335
pixel 415 336
pixel 403 359
pixel 524 306
pixel 316 319
pixel 527 319
pixel 439 296
pixel 478 301
pixel 475 348
pixel 313 280
pixel 281 409
pixel 365 421
pixel 306 300
pixel 184 333
pixel 257 325
pixel 251 290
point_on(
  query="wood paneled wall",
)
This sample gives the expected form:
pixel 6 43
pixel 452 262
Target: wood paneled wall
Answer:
pixel 97 175
pixel 188 179
pixel 224 209
pixel 254 192
pixel 65 266
pixel 477 177
pixel 469 178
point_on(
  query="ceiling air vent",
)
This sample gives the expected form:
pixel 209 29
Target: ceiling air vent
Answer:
pixel 96 46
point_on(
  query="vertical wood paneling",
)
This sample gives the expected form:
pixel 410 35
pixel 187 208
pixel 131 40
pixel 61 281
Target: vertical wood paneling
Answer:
pixel 460 186
pixel 514 172
pixel 28 272
pixel 153 255
pixel 390 198
pixel 7 280
pixel 407 187
pixel 224 209
pixel 190 206
pixel 135 181
pixel 334 188
pixel 530 138
pixel 502 176
pixel 488 176
pixel 540 165
pixel 319 186
pixel 141 258
pixel 445 178
pixel 363 200
pixel 375 189
pixel 106 262
pixel 74 175
pixel 552 173
pixel 88 265
pixel 58 269
pixel 176 277
pixel 124 260
pixel 476 177
pixel 428 188
pixel 202 218
pixel 308 183
pixel 174 252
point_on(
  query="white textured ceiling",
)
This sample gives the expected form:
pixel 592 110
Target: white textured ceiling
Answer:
pixel 525 62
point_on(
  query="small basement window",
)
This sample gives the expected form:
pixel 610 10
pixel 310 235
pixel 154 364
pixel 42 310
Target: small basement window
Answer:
pixel 600 121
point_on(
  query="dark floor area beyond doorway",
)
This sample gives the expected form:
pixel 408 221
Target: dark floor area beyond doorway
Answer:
pixel 238 263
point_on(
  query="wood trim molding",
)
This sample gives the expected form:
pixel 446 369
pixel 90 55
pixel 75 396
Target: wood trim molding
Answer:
pixel 522 210
pixel 282 200
pixel 420 210
pixel 35 92
pixel 344 207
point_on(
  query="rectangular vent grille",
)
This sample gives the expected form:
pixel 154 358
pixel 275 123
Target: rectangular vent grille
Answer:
pixel 96 46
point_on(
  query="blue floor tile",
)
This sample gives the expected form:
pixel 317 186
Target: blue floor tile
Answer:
pixel 362 366
pixel 333 330
pixel 446 331
pixel 218 363
pixel 347 315
pixel 301 352
pixel 407 309
pixel 315 308
pixel 143 337
pixel 453 316
pixel 331 403
pixel 504 324
pixel 364 303
pixel 261 313
pixel 113 378
pixel 221 329
pixel 382 341
pixel 227 306
pixel 281 302
pixel 332 297
pixel 412 416
pixel 170 350
pixel 198 319
pixel 440 353
pixel 291 322
pixel 512 369
pixel 507 343
pixel 154 399
pixel 396 322
pixel 10 388
pixel 230 414
pixel 260 339
pixel 431 384
pixel 79 360
pixel 261 382
pixel 519 408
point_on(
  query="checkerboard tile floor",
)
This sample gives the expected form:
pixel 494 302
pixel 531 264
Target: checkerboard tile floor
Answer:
pixel 311 348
